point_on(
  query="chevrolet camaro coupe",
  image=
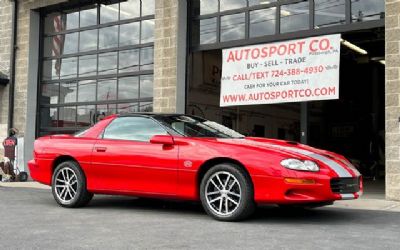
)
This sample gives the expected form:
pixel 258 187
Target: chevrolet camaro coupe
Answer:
pixel 174 156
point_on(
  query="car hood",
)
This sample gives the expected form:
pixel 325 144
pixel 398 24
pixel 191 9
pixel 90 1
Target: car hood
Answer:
pixel 338 163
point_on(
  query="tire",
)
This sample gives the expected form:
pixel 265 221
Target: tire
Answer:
pixel 215 196
pixel 69 185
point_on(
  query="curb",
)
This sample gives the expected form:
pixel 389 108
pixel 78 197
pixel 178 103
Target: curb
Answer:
pixel 30 184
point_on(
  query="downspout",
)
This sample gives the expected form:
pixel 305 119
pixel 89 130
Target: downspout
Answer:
pixel 14 11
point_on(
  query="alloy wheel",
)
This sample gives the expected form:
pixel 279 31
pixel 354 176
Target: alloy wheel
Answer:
pixel 223 193
pixel 66 185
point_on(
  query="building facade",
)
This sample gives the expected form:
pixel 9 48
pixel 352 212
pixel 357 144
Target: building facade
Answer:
pixel 76 61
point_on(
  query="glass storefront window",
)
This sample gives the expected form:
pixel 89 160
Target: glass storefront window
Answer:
pixel 88 17
pixel 208 30
pixel 208 7
pixel 129 9
pixel 68 92
pixel 262 22
pixel 147 32
pixel 294 17
pixel 85 115
pixel 329 13
pixel 366 10
pixel 233 27
pixel 128 88
pixel 107 90
pixel 128 61
pixel 129 34
pixel 108 63
pixel 109 13
pixel 87 91
pixel 87 65
pixel 232 4
pixel 108 37
pixel 88 40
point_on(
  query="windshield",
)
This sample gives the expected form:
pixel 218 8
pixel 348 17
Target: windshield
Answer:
pixel 196 127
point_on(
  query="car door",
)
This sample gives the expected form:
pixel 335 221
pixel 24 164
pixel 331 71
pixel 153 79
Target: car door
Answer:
pixel 125 160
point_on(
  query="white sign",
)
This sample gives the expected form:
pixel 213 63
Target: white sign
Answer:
pixel 290 71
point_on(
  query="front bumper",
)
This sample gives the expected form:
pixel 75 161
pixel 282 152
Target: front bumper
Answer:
pixel 323 189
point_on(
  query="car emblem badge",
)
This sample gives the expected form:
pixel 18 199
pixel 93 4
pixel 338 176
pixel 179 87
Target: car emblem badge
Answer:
pixel 187 164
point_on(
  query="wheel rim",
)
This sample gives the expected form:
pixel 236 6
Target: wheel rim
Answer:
pixel 66 185
pixel 223 193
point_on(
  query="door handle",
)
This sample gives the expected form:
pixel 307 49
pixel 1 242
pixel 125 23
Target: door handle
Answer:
pixel 101 149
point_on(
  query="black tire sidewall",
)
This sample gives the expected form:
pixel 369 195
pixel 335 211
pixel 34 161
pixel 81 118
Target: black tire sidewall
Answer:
pixel 81 181
pixel 247 200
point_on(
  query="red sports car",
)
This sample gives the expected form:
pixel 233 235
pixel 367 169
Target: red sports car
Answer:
pixel 186 157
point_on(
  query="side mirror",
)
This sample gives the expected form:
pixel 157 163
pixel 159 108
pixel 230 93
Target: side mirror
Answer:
pixel 162 139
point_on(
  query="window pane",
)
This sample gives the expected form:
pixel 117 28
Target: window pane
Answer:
pixel 68 92
pixel 294 17
pixel 109 13
pixel 146 58
pixel 147 35
pixel 148 7
pixel 57 22
pixel 87 65
pixel 133 128
pixel 232 4
pixel 69 67
pixel 146 86
pixel 49 93
pixel 86 116
pixel 258 2
pixel 146 107
pixel 105 110
pixel 88 17
pixel 130 9
pixel 60 45
pixel 87 91
pixel 108 63
pixel 88 40
pixel 208 30
pixel 262 22
pixel 107 90
pixel 124 108
pixel 208 7
pixel 329 12
pixel 49 71
pixel 366 10
pixel 233 27
pixel 128 60
pixel 67 116
pixel 48 117
pixel 108 37
pixel 128 88
pixel 129 34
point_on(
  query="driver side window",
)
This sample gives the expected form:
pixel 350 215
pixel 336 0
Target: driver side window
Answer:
pixel 133 129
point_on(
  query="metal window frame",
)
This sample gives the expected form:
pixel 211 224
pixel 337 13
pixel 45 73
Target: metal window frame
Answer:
pixel 79 5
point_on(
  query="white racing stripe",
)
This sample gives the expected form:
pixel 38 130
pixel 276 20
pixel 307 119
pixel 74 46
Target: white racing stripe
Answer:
pixel 339 170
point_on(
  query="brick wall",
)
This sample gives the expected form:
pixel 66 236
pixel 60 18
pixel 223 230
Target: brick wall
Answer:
pixel 165 56
pixel 5 39
pixel 392 92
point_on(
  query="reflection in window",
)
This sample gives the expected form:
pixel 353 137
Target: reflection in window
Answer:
pixel 85 115
pixel 124 108
pixel 88 40
pixel 68 66
pixel 67 116
pixel 146 107
pixel 68 92
pixel 148 7
pixel 60 45
pixel 208 7
pixel 147 34
pixel 49 71
pixel 128 88
pixel 108 63
pixel 87 65
pixel 109 13
pixel 329 13
pixel 107 90
pixel 48 117
pixel 128 61
pixel 233 27
pixel 294 17
pixel 108 37
pixel 146 58
pixel 104 110
pixel 146 86
pixel 232 4
pixel 208 30
pixel 258 2
pixel 129 9
pixel 49 93
pixel 262 22
pixel 366 10
pixel 88 17
pixel 129 34
pixel 87 91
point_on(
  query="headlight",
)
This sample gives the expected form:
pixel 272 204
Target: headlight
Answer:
pixel 297 164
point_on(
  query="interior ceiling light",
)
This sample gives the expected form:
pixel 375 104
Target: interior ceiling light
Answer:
pixel 354 47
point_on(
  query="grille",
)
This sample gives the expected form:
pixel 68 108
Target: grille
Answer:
pixel 345 185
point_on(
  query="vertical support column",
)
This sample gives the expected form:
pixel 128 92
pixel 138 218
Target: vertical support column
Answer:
pixel 392 99
pixel 304 122
pixel 170 56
